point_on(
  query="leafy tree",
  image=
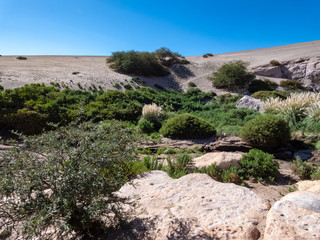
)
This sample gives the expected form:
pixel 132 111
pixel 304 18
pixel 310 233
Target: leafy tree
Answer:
pixel 65 179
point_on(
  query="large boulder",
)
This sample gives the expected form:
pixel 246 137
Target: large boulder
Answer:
pixel 194 207
pixel 309 186
pixel 249 102
pixel 222 159
pixel 295 216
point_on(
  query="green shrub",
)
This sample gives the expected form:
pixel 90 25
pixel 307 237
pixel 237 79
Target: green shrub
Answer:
pixel 262 85
pixel 168 58
pixel 266 132
pixel 207 55
pixel 304 170
pixel 146 126
pixel 21 58
pixel 127 86
pixel 228 98
pixel 291 85
pixel 187 126
pixel 140 63
pixel 264 95
pixel 258 164
pixel 232 76
pixel 1 88
pixel 158 86
pixel 65 180
pixel 275 63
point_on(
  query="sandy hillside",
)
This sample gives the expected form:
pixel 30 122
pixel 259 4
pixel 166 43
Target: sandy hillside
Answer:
pixel 83 71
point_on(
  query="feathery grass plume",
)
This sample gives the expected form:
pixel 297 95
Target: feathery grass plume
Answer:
pixel 151 111
pixel 294 108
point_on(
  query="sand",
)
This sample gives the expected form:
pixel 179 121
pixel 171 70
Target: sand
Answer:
pixel 76 71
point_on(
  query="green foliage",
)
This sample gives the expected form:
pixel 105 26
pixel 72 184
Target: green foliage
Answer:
pixel 168 58
pixel 146 126
pixel 303 169
pixel 262 85
pixel 140 63
pixel 291 85
pixel 127 86
pixel 266 132
pixel 65 180
pixel 264 95
pixel 207 55
pixel 116 85
pixel 21 58
pixel 1 88
pixel 228 98
pixel 187 126
pixel 232 76
pixel 258 164
pixel 275 63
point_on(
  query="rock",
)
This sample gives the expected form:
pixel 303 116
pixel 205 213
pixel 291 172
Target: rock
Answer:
pixel 309 186
pixel 227 144
pixel 194 207
pixel 249 102
pixel 285 155
pixel 223 160
pixel 295 216
pixel 269 71
pixel 303 154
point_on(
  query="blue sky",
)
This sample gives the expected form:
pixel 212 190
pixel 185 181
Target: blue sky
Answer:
pixel 99 27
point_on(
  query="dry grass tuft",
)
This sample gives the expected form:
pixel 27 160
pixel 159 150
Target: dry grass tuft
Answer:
pixel 150 111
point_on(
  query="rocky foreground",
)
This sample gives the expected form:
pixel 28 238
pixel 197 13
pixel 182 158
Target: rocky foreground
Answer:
pixel 197 207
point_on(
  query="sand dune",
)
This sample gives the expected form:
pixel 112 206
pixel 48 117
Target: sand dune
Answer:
pixel 94 70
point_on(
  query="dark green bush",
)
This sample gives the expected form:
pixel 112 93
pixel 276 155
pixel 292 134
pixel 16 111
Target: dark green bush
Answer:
pixel 140 63
pixel 303 169
pixel 266 132
pixel 258 164
pixel 187 126
pixel 263 95
pixel 65 180
pixel 127 86
pixel 1 88
pixel 291 85
pixel 232 76
pixel 207 55
pixel 262 85
pixel 21 58
pixel 275 63
pixel 191 85
pixel 146 126
pixel 228 98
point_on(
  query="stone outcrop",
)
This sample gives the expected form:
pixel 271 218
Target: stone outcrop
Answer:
pixel 295 216
pixel 222 159
pixel 227 144
pixel 194 207
pixel 309 186
pixel 249 102
pixel 307 70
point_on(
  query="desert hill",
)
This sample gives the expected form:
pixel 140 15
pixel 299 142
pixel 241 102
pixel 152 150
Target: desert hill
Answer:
pixel 84 71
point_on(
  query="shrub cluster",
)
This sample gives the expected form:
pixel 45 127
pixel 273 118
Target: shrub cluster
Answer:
pixel 305 170
pixel 266 132
pixel 232 76
pixel 207 55
pixel 262 85
pixel 292 85
pixel 65 180
pixel 275 63
pixel 258 164
pixel 187 126
pixel 264 95
pixel 140 63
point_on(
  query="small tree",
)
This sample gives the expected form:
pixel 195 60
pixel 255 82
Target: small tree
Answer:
pixel 232 75
pixel 65 180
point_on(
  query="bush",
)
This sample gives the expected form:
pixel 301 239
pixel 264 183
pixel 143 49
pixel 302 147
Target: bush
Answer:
pixel 275 63
pixel 187 126
pixel 232 76
pixel 146 126
pixel 65 180
pixel 153 114
pixel 207 55
pixel 291 85
pixel 127 86
pixel 168 58
pixel 264 95
pixel 228 98
pixel 1 88
pixel 258 164
pixel 140 63
pixel 266 132
pixel 21 58
pixel 191 85
pixel 262 85
pixel 303 169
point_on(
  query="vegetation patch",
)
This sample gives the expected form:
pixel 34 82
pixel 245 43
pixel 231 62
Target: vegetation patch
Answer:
pixel 262 85
pixel 264 95
pixel 266 132
pixel 292 85
pixel 232 76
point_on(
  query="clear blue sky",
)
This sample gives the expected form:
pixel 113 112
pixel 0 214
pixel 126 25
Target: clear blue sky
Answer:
pixel 99 27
